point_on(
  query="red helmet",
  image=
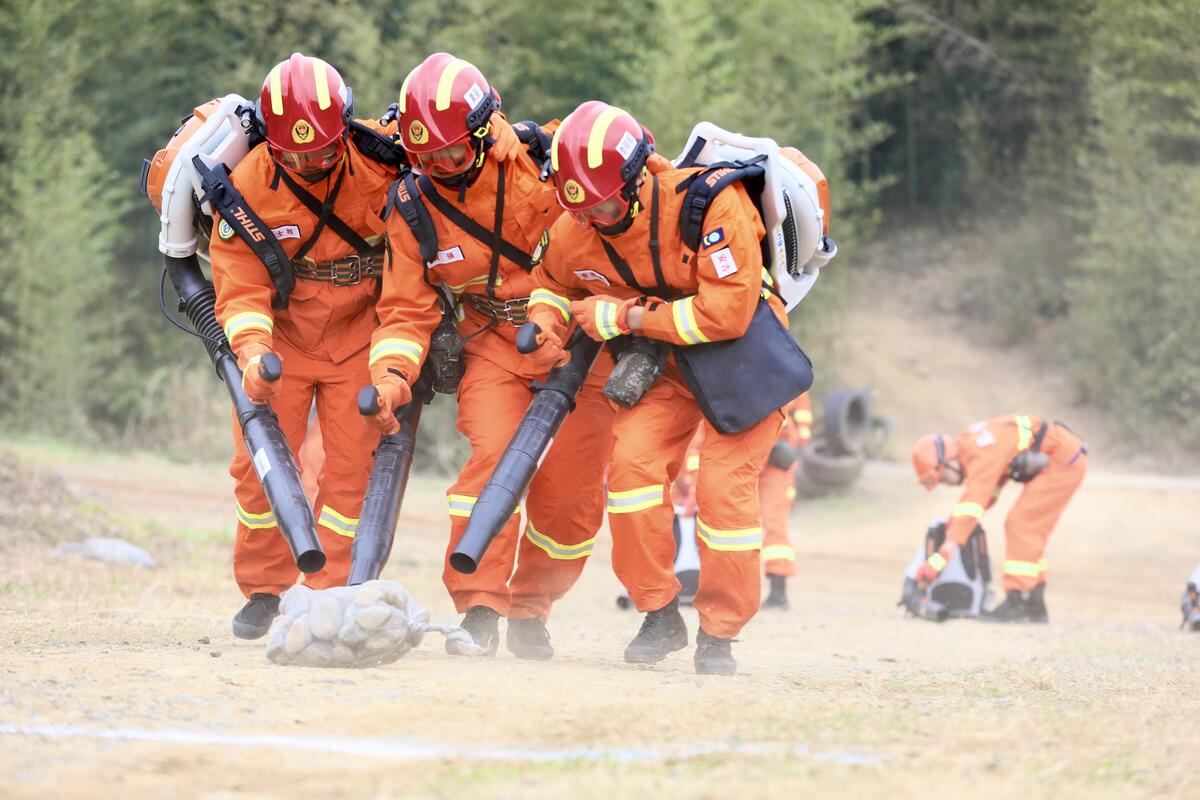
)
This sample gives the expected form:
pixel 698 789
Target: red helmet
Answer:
pixel 598 151
pixel 443 101
pixel 929 456
pixel 305 106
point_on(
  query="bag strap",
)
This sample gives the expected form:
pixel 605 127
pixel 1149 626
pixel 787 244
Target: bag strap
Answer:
pixel 227 201
pixel 1036 447
pixel 376 146
pixel 324 213
pixel 537 143
pixel 703 186
pixel 622 267
pixel 463 221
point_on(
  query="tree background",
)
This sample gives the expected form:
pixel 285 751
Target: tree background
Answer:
pixel 1063 136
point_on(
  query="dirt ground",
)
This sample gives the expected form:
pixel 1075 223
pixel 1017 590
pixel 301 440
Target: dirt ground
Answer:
pixel 118 681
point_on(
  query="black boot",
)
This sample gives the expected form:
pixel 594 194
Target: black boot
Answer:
pixel 714 655
pixel 529 639
pixel 1020 607
pixel 484 626
pixel 254 620
pixel 777 597
pixel 663 632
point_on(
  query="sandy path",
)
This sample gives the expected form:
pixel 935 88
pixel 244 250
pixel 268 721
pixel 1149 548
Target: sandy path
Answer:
pixel 116 681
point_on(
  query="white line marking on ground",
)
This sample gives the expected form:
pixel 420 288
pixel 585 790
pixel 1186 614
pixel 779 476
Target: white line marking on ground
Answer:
pixel 415 750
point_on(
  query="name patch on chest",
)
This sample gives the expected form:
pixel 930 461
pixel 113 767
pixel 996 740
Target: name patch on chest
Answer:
pixel 286 232
pixel 724 263
pixel 591 275
pixel 446 257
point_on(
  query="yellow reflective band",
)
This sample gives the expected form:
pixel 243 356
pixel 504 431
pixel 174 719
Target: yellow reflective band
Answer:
pixel 693 462
pixel 478 280
pixel 545 297
pixel 595 151
pixel 404 90
pixel 338 523
pixel 630 500
pixel 778 552
pixel 275 88
pixel 446 83
pixel 461 504
pixel 247 319
pixel 805 432
pixel 1024 432
pixel 606 320
pixel 685 321
pixel 1022 569
pixel 255 521
pixel 801 415
pixel 405 348
pixel 730 541
pixel 554 145
pixel 767 279
pixel 557 550
pixel 1041 565
pixel 937 561
pixel 791 493
pixel 322 79
pixel 969 510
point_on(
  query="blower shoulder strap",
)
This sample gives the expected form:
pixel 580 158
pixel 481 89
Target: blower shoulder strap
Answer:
pixel 229 204
pixel 701 187
pixel 377 146
pixel 536 141
pixel 491 238
pixel 405 198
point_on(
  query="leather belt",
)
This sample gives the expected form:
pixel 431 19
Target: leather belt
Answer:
pixel 514 311
pixel 346 271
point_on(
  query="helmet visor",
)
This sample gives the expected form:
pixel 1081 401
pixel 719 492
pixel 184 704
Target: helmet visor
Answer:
pixel 317 161
pixel 602 215
pixel 446 162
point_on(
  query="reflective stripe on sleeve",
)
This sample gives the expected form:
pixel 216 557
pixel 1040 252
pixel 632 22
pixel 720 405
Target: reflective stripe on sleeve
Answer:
pixel 558 550
pixel 778 552
pixel 800 415
pixel 405 348
pixel 973 510
pixel 684 317
pixel 606 320
pixel 1022 569
pixel 255 521
pixel 729 540
pixel 1024 433
pixel 545 297
pixel 937 561
pixel 461 504
pixel 338 523
pixel 631 500
pixel 693 462
pixel 247 319
pixel 1041 564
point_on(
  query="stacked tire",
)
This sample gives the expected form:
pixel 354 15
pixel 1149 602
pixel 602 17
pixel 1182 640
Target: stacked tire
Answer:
pixel 847 434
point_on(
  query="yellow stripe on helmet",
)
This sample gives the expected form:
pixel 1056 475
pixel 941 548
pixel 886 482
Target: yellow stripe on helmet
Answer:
pixel 321 76
pixel 404 90
pixel 275 87
pixel 554 144
pixel 600 127
pixel 446 83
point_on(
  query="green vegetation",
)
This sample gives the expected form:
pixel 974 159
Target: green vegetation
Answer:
pixel 1066 131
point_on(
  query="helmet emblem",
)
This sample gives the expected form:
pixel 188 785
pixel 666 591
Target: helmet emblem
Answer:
pixel 573 191
pixel 417 132
pixel 302 132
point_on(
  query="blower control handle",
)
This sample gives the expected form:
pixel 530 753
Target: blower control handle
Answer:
pixel 529 338
pixel 270 368
pixel 368 401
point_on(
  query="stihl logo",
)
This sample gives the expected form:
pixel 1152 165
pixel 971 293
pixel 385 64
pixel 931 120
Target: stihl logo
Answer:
pixel 711 180
pixel 402 195
pixel 240 215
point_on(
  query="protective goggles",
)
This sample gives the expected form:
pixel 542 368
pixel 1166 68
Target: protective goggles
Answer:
pixel 602 215
pixel 931 478
pixel 316 161
pixel 447 161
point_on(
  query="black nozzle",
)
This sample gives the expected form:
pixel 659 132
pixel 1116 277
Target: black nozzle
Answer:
pixel 368 401
pixel 270 367
pixel 527 337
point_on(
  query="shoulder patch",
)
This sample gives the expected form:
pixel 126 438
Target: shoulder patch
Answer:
pixel 724 262
pixel 535 257
pixel 224 230
pixel 592 275
pixel 446 257
pixel 713 237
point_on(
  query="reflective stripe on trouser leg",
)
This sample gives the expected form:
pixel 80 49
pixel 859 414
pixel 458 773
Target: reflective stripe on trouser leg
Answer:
pixel 727 525
pixel 776 490
pixel 1033 518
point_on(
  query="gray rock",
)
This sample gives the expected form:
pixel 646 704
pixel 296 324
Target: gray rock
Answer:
pixel 109 551
pixel 368 596
pixel 317 654
pixel 351 635
pixel 325 617
pixel 298 637
pixel 342 655
pixel 373 617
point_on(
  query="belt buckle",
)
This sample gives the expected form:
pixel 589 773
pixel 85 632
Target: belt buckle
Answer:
pixel 516 311
pixel 353 273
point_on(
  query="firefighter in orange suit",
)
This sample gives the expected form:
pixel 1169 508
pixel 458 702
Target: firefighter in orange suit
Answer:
pixel 1046 456
pixel 776 493
pixel 322 336
pixel 616 192
pixel 473 162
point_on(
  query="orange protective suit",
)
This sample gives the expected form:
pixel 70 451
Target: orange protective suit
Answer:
pixel 322 339
pixel 565 504
pixel 719 288
pixel 986 449
pixel 777 491
pixel 776 488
